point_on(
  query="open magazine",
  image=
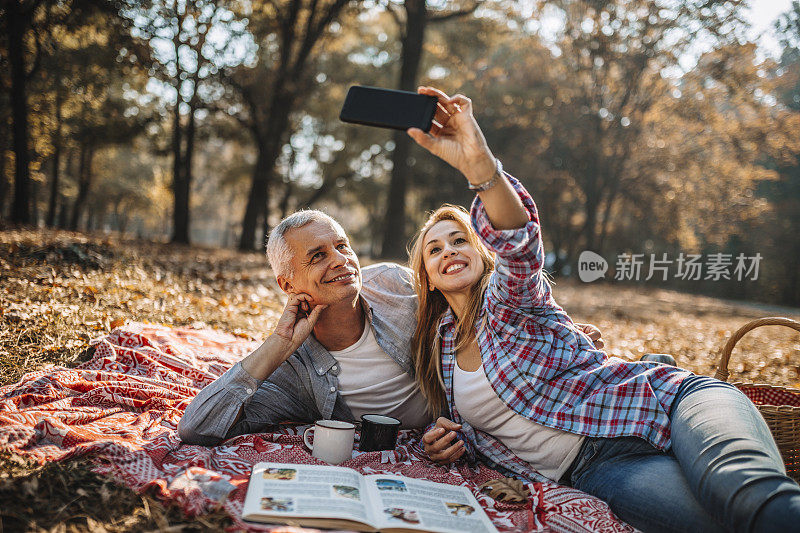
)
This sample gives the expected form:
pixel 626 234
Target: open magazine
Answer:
pixel 337 497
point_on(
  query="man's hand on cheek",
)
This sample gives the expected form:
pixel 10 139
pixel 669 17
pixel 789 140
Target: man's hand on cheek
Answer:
pixel 293 328
pixel 297 321
pixel 306 303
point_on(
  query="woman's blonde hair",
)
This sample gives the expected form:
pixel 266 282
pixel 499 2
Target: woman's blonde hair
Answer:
pixel 426 347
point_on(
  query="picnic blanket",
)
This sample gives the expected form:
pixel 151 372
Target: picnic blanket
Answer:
pixel 122 407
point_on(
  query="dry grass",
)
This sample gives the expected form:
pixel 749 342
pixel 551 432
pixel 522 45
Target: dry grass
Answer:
pixel 68 497
pixel 58 290
pixel 639 320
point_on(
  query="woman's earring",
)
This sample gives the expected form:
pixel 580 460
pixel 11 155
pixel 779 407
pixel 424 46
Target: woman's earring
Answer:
pixel 431 288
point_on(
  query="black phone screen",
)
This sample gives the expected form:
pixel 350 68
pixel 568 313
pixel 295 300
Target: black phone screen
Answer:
pixel 388 108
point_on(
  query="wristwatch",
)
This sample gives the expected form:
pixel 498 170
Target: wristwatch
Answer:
pixel 491 182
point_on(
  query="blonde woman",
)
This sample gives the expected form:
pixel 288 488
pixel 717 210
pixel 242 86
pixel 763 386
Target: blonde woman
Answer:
pixel 528 392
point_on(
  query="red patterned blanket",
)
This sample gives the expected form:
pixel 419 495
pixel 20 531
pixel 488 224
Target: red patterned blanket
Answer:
pixel 123 406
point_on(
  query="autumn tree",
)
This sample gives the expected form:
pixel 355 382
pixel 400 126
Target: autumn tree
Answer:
pixel 568 104
pixel 286 34
pixel 779 229
pixel 5 145
pixel 680 162
pixel 27 25
pixel 614 58
pixel 82 99
pixel 192 39
pixel 413 18
pixel 33 31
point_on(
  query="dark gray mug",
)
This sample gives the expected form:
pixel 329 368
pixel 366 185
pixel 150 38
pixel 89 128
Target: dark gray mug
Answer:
pixel 378 432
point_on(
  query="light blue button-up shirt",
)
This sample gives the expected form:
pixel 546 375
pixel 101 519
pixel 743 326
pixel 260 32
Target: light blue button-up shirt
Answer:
pixel 305 387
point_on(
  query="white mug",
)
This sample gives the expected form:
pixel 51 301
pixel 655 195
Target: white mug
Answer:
pixel 333 441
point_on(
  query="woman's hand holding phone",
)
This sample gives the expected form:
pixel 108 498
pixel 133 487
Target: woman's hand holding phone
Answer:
pixel 456 137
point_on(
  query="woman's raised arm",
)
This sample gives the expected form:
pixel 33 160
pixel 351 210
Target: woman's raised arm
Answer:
pixel 504 214
pixel 457 139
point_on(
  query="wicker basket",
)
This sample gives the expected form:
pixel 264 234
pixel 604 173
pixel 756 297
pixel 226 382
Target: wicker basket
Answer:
pixel 780 406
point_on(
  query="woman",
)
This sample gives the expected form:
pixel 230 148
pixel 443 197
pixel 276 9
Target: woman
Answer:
pixel 668 450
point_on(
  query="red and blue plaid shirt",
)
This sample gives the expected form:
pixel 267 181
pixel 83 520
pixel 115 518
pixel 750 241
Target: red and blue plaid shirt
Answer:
pixel 541 365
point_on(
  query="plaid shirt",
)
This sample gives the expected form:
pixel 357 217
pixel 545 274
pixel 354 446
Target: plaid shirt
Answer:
pixel 541 365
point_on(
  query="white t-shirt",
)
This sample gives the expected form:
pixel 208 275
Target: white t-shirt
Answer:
pixel 549 451
pixel 372 382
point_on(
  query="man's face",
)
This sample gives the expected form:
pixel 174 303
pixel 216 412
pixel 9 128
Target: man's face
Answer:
pixel 324 265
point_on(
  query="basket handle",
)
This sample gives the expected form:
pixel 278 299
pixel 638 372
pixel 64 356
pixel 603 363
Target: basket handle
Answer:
pixel 722 370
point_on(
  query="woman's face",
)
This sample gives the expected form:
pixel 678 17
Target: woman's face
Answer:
pixel 451 262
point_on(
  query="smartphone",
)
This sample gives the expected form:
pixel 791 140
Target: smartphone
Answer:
pixel 388 108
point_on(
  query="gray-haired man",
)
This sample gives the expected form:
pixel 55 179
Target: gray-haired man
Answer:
pixel 358 359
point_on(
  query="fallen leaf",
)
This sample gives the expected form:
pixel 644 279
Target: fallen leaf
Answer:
pixel 506 490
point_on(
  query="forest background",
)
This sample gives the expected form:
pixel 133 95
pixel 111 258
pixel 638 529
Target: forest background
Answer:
pixel 657 129
pixel 641 127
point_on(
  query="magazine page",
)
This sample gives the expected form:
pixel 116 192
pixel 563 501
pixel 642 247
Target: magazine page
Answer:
pixel 295 490
pixel 406 503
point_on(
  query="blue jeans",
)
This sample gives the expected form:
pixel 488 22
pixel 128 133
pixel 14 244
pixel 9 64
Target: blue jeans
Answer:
pixel 722 473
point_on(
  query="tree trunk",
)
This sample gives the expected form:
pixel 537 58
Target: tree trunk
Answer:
pixel 268 152
pixel 183 186
pixel 180 196
pixel 91 222
pixel 287 195
pixel 63 215
pixel 54 178
pixel 188 158
pixel 84 182
pixel 394 226
pixel 606 218
pixel 17 23
pixel 257 199
pixel 593 190
pixel 35 202
pixel 5 186
pixel 121 218
pixel 69 169
pixel 590 226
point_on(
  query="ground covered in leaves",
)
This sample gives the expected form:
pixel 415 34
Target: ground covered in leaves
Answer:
pixel 58 290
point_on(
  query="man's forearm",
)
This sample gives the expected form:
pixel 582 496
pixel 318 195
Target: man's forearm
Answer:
pixel 217 407
pixel 266 358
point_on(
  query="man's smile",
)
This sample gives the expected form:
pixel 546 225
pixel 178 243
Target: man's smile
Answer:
pixel 342 277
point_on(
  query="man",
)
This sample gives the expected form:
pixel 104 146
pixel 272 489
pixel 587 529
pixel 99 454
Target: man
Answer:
pixel 357 361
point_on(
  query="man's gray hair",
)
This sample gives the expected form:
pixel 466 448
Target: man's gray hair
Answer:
pixel 279 254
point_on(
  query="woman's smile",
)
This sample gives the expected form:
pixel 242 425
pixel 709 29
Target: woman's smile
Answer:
pixel 455 267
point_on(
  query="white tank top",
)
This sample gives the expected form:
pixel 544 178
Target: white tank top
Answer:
pixel 372 382
pixel 549 451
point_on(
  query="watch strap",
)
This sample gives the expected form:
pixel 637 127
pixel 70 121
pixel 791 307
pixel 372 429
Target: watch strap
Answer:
pixel 491 182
